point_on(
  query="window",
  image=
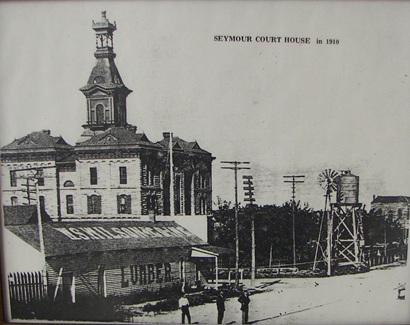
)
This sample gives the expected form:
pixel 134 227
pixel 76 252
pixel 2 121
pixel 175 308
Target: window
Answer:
pixel 100 114
pixel 93 176
pixel 70 204
pixel 14 200
pixel 40 177
pixel 107 116
pixel 202 181
pixel 203 205
pixel 68 184
pixel 123 175
pixel 92 116
pixel 152 203
pixel 150 177
pixel 94 204
pixel 13 178
pixel 42 202
pixel 124 204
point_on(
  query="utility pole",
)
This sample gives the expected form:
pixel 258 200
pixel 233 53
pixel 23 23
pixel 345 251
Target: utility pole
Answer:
pixel 36 175
pixel 171 178
pixel 294 181
pixel 236 166
pixel 249 198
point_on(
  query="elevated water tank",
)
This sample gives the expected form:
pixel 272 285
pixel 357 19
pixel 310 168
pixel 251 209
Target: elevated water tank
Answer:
pixel 348 188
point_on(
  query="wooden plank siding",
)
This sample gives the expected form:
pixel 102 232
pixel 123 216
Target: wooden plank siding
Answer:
pixel 126 280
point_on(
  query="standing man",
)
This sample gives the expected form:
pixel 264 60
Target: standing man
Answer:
pixel 220 305
pixel 183 303
pixel 244 300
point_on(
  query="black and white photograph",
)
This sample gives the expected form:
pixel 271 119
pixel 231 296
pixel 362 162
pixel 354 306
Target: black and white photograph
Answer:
pixel 205 162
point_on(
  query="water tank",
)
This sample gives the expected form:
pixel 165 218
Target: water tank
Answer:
pixel 348 188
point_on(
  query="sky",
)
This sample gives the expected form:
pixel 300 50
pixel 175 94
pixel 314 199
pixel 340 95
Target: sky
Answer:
pixel 288 109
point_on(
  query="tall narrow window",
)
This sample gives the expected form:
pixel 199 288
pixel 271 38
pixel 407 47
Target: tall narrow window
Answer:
pixel 70 204
pixel 124 204
pixel 93 176
pixel 14 200
pixel 92 116
pixel 94 204
pixel 42 202
pixel 150 177
pixel 13 178
pixel 152 203
pixel 107 116
pixel 123 175
pixel 100 114
pixel 40 178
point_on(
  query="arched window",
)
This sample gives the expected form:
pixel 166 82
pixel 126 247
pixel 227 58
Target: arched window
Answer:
pixel 14 200
pixel 94 204
pixel 68 184
pixel 124 204
pixel 100 114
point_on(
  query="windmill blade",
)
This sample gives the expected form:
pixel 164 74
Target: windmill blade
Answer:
pixel 328 180
pixel 333 174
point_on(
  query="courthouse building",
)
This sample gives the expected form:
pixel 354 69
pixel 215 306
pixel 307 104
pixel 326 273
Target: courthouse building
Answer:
pixel 112 171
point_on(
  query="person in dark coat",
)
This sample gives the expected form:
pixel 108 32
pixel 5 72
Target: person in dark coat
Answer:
pixel 220 305
pixel 244 300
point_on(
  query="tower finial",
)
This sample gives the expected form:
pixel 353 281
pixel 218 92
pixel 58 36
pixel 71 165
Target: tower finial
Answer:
pixel 104 14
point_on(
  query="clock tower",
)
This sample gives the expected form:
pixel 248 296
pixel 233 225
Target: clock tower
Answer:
pixel 105 92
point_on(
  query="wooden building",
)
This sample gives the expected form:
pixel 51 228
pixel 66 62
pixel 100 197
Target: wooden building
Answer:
pixel 94 259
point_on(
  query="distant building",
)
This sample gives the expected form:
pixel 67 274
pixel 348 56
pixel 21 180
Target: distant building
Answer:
pixel 112 171
pixel 394 208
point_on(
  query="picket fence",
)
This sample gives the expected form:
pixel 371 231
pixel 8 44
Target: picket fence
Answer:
pixel 27 286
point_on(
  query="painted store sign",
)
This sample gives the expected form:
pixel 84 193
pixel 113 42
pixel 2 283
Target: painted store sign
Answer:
pixel 103 233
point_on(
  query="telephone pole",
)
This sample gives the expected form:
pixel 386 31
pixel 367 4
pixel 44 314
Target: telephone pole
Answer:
pixel 294 181
pixel 36 173
pixel 249 198
pixel 236 165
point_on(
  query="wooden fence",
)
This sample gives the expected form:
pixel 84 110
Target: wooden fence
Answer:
pixel 27 286
pixel 385 259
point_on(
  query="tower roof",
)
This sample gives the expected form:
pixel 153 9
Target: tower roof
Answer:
pixel 105 73
pixel 105 91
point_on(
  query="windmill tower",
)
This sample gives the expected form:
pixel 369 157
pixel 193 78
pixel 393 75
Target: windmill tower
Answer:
pixel 344 234
pixel 328 181
pixel 345 223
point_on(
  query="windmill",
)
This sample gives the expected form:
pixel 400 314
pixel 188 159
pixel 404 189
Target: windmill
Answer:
pixel 328 180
